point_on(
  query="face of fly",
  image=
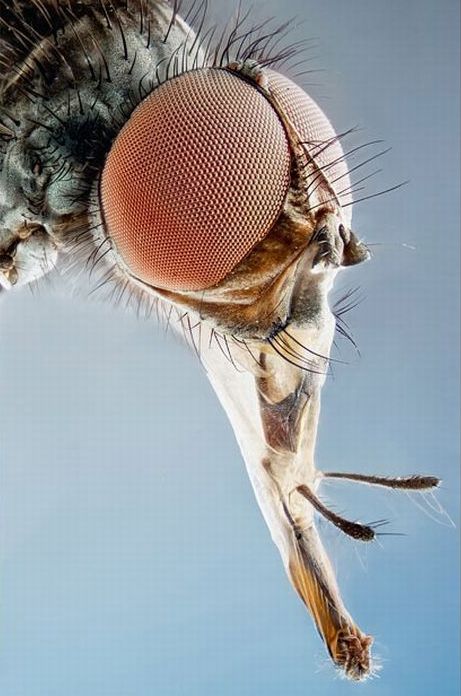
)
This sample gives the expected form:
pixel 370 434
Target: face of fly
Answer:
pixel 271 308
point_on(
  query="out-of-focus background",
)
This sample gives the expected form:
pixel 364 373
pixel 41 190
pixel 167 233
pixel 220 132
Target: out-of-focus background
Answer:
pixel 134 560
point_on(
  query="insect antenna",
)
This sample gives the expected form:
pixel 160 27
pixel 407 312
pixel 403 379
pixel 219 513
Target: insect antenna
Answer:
pixel 360 532
pixel 409 483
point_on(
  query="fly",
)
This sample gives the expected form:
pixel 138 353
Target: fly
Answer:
pixel 185 172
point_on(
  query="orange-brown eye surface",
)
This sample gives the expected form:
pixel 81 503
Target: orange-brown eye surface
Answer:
pixel 195 179
pixel 319 137
pixel 199 173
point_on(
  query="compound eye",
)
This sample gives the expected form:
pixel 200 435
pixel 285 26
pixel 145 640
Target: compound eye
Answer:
pixel 196 177
pixel 199 174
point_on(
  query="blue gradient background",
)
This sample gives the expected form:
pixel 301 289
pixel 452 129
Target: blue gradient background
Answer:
pixel 134 561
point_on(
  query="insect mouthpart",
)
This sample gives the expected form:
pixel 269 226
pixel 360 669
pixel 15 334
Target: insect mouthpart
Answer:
pixel 353 654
